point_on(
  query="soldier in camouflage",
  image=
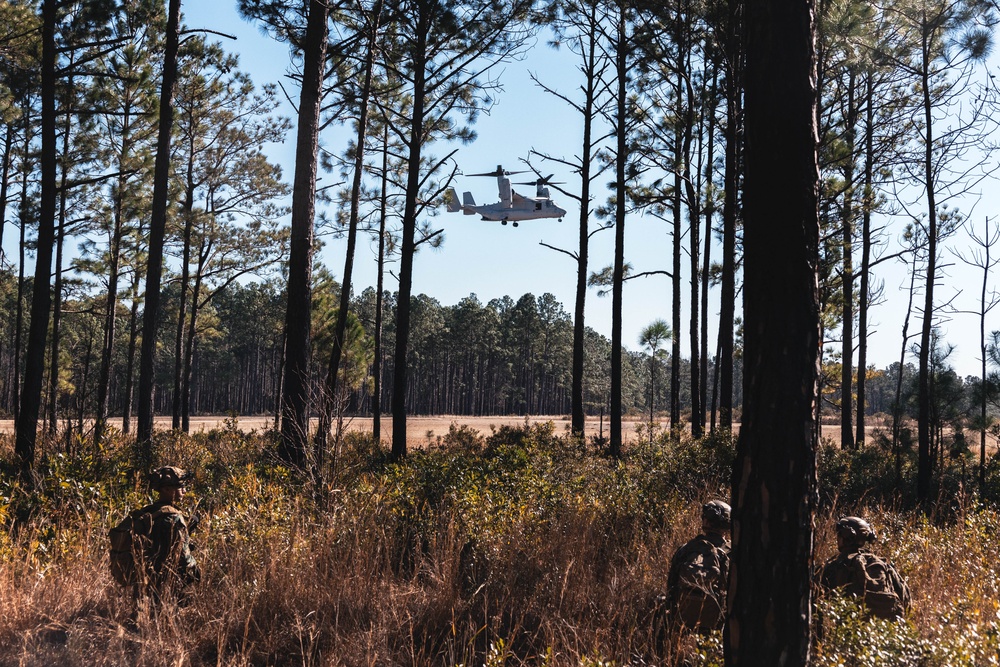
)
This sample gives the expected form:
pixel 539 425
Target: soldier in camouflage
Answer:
pixel 168 562
pixel 860 573
pixel 699 572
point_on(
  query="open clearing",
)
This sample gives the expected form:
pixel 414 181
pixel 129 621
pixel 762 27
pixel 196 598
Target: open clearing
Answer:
pixel 426 430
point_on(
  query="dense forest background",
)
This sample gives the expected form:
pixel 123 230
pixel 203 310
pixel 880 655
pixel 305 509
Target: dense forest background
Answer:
pixel 182 226
pixel 505 357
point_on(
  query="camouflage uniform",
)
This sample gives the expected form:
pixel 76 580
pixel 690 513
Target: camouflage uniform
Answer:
pixel 859 572
pixel 167 559
pixel 699 572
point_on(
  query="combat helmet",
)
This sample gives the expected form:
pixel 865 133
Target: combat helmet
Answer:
pixel 716 514
pixel 169 476
pixel 855 530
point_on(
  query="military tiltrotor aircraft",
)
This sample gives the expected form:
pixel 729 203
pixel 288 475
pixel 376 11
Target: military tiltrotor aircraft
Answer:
pixel 512 206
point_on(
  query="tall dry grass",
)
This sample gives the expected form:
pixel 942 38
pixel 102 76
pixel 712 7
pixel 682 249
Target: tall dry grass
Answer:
pixel 518 549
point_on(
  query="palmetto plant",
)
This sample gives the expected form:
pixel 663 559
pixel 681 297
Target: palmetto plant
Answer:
pixel 652 336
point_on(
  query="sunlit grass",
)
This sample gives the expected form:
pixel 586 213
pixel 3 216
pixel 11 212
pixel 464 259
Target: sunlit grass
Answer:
pixel 519 548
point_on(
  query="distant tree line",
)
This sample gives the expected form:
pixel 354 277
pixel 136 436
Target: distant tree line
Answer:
pixel 503 357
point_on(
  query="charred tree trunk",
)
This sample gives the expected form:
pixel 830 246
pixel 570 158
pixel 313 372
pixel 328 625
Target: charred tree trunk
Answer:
pixel 774 474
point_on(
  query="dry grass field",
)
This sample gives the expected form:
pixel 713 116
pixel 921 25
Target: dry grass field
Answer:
pixel 520 550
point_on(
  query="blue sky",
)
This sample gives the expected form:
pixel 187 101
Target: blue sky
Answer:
pixel 491 260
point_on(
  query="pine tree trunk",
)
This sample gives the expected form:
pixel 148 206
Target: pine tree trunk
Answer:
pixel 187 375
pixel 157 230
pixel 187 215
pixel 58 287
pixel 694 228
pixel 774 473
pixel 329 395
pixel 727 306
pixel 41 301
pixel 706 266
pixel 675 308
pixel 847 278
pixel 578 413
pixel 8 144
pixel 866 253
pixel 621 158
pixel 925 462
pixel 377 363
pixel 130 351
pixel 21 247
pixel 295 393
pixel 408 247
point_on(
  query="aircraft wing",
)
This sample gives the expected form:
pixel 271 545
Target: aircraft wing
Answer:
pixel 516 199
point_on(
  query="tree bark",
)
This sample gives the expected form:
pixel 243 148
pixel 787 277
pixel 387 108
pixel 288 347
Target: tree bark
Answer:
pixel 727 306
pixel 130 351
pixel 925 462
pixel 774 472
pixel 621 157
pixel 41 299
pixel 400 374
pixel 847 236
pixel 706 265
pixel 8 144
pixel 866 254
pixel 694 222
pixel 157 230
pixel 187 215
pixel 298 316
pixel 377 364
pixel 578 414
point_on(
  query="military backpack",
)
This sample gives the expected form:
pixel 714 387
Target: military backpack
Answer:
pixel 131 543
pixel 886 594
pixel 701 586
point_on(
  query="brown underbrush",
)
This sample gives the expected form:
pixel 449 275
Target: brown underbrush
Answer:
pixel 521 548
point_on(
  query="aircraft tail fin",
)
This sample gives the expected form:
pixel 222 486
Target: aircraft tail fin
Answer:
pixel 452 201
pixel 467 203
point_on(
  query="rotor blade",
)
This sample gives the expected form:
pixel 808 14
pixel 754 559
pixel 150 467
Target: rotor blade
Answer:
pixel 496 174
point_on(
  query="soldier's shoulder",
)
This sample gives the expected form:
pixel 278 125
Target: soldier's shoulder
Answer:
pixel 168 514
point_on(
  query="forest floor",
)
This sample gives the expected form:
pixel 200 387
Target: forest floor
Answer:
pixel 429 429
